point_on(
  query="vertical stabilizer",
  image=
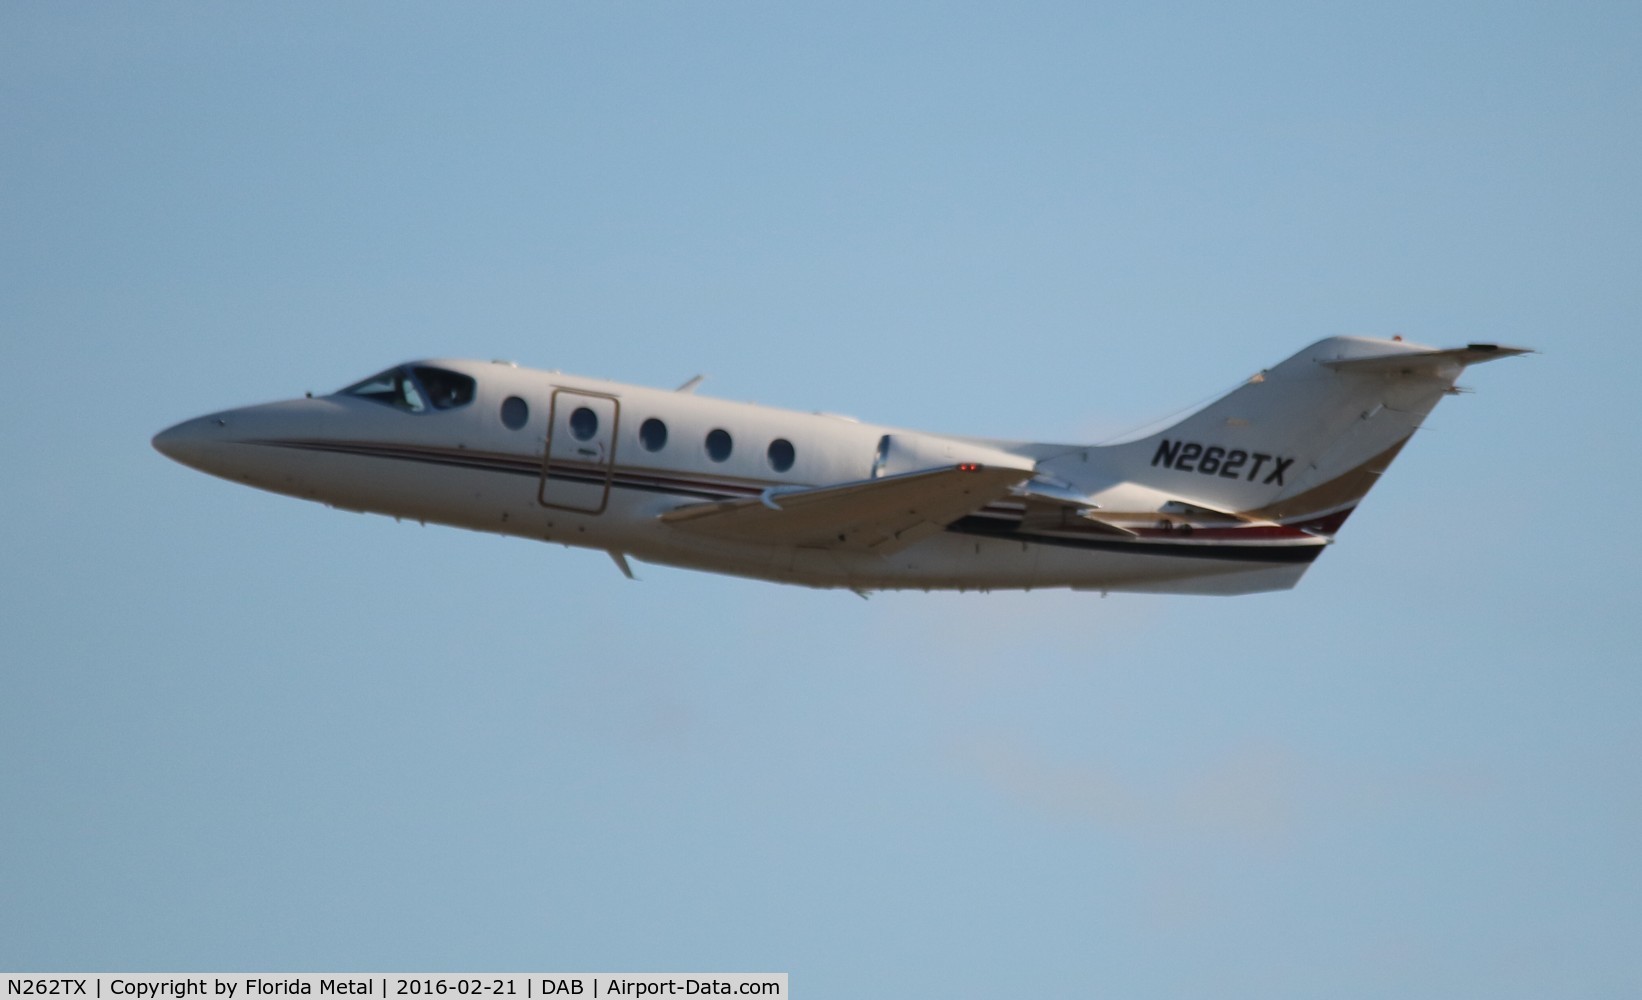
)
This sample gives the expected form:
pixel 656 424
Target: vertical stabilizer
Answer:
pixel 1300 443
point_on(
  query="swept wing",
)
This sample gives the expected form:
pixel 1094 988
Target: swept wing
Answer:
pixel 881 515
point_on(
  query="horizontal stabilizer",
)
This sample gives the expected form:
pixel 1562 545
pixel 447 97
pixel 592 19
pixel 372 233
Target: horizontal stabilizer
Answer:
pixel 1425 362
pixel 881 514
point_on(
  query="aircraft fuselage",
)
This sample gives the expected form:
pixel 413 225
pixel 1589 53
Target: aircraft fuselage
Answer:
pixel 807 498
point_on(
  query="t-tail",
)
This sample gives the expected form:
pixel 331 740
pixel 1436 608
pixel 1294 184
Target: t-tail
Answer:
pixel 1296 446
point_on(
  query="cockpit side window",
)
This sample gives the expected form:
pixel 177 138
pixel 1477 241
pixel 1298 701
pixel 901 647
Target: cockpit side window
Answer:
pixel 394 387
pixel 415 390
pixel 446 389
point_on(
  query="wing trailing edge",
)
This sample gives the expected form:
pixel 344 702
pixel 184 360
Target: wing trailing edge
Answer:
pixel 881 515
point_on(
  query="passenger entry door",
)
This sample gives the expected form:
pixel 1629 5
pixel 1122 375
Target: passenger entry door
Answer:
pixel 580 456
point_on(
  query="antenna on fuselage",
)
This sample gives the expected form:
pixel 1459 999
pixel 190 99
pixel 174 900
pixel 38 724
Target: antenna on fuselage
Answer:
pixel 620 559
pixel 691 385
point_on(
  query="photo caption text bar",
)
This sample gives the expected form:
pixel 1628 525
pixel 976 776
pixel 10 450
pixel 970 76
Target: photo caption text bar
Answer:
pixel 391 985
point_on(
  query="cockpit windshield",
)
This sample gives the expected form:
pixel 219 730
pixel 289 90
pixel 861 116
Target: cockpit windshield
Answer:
pixel 415 389
pixel 394 387
pixel 446 390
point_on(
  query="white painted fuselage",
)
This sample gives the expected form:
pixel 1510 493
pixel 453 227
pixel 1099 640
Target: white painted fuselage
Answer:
pixel 675 478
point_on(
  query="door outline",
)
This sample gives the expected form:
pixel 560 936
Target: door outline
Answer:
pixel 606 463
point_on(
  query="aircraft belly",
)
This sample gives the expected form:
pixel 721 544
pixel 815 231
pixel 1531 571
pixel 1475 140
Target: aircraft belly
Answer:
pixel 956 562
pixel 504 502
pixel 478 499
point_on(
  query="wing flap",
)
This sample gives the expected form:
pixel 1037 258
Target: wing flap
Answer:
pixel 883 514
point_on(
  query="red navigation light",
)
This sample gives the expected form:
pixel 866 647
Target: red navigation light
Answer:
pixel 969 467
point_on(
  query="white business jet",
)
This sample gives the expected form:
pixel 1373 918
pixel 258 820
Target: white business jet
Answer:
pixel 1237 498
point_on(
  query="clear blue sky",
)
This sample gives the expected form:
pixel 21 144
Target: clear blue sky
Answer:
pixel 241 732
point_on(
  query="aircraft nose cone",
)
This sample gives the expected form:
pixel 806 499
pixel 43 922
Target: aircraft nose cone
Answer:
pixel 189 441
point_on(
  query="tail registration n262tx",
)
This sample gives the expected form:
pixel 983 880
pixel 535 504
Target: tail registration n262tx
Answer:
pixel 1239 497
